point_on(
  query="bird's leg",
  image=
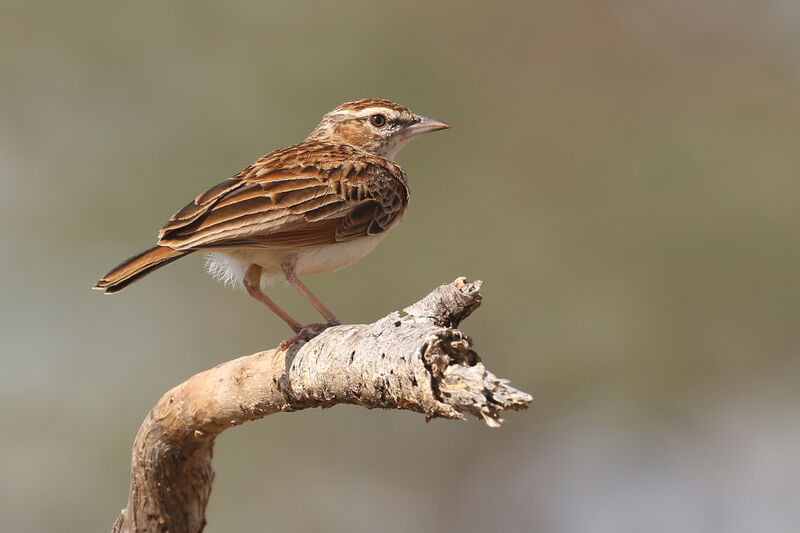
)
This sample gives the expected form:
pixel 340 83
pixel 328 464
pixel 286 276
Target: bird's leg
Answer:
pixel 291 277
pixel 252 283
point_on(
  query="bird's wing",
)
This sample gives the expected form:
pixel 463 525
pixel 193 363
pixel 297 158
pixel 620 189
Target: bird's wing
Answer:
pixel 305 195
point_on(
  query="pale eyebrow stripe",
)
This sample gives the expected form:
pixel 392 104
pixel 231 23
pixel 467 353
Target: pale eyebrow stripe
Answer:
pixel 390 113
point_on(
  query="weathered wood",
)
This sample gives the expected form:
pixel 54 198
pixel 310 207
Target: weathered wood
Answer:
pixel 414 360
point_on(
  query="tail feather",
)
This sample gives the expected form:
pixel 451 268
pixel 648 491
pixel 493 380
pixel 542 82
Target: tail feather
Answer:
pixel 137 266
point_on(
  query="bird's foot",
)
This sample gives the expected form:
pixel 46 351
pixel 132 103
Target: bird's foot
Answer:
pixel 307 333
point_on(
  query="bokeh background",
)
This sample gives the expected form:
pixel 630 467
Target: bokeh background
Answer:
pixel 622 174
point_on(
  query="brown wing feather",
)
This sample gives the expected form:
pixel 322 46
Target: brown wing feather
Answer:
pixel 200 206
pixel 308 194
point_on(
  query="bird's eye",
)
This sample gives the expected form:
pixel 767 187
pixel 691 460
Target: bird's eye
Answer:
pixel 378 120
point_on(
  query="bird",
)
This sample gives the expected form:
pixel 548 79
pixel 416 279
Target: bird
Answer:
pixel 311 208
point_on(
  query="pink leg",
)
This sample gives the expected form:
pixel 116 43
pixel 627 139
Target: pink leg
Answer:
pixel 292 278
pixel 252 283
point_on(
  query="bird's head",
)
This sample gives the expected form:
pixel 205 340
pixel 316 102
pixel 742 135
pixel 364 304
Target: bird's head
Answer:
pixel 379 127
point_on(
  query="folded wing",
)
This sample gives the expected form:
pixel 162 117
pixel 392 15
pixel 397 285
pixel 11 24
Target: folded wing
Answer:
pixel 305 195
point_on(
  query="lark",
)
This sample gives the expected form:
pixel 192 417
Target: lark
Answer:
pixel 312 208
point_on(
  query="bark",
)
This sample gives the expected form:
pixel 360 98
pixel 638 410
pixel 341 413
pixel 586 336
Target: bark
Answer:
pixel 414 360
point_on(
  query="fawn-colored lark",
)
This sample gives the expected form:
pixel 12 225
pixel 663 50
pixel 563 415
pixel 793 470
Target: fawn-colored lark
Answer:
pixel 311 208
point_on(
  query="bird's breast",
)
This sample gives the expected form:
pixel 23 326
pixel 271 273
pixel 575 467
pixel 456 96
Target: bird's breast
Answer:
pixel 325 258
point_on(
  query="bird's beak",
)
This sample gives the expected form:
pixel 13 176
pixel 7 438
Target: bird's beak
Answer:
pixel 424 125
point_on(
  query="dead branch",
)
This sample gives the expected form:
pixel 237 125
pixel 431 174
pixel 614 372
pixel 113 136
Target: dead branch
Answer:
pixel 415 360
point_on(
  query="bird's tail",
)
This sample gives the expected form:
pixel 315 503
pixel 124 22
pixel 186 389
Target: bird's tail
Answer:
pixel 137 266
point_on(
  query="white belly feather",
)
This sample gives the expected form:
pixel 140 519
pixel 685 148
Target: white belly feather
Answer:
pixel 229 266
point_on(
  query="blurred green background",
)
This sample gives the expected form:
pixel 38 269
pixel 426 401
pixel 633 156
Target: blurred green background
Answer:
pixel 622 174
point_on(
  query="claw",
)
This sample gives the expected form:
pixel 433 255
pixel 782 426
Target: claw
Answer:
pixel 307 333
